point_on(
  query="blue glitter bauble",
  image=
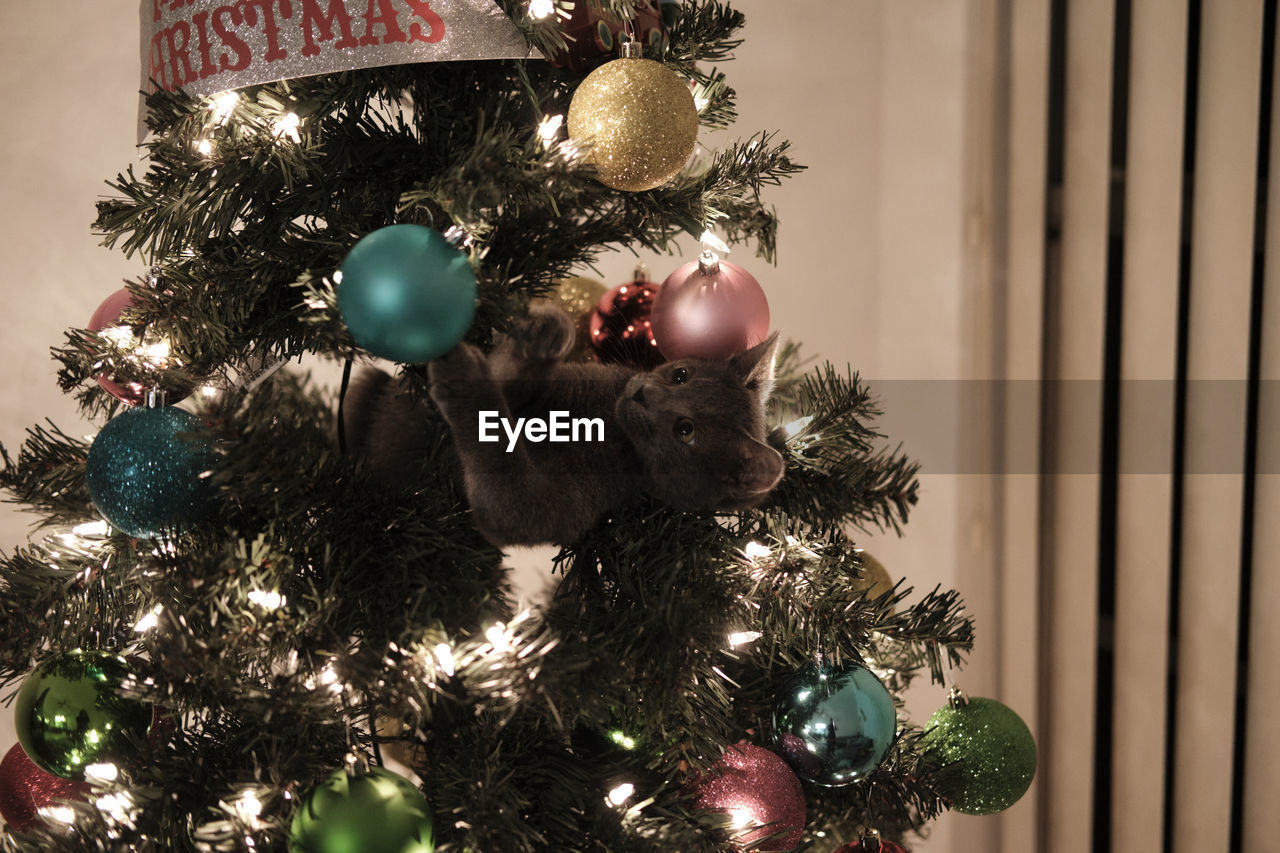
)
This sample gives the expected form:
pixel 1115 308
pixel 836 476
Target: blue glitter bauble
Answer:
pixel 834 726
pixel 406 294
pixel 146 476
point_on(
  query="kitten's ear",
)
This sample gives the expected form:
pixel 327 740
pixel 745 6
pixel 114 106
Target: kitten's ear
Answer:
pixel 755 366
pixel 760 467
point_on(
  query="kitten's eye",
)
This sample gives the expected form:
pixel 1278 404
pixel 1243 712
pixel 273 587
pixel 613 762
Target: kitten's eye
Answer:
pixel 684 430
pixel 680 376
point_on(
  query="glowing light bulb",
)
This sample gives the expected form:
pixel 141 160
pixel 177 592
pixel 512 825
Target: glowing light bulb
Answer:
pixel 741 638
pixel 221 106
pixel 549 127
pixel 756 551
pixel 149 620
pixel 621 794
pixel 288 125
pixel 540 10
pixel 444 656
pixel 267 600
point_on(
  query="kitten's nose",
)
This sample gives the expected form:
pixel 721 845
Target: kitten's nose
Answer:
pixel 639 395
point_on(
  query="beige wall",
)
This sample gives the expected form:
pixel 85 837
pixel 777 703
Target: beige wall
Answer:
pixel 872 94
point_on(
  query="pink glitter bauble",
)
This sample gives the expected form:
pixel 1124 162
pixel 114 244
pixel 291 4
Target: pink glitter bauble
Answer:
pixel 25 789
pixel 133 393
pixel 755 788
pixel 709 308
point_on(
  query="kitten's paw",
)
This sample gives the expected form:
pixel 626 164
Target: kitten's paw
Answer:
pixel 547 335
pixel 458 373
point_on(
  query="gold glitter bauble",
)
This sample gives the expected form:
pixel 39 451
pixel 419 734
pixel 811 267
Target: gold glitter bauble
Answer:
pixel 638 118
pixel 577 296
pixel 875 577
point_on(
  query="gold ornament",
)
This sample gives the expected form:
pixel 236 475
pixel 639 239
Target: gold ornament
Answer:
pixel 638 121
pixel 577 296
pixel 875 577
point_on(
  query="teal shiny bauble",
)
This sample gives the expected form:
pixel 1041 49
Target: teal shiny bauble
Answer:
pixel 374 812
pixel 147 474
pixel 406 294
pixel 69 714
pixel 986 754
pixel 834 725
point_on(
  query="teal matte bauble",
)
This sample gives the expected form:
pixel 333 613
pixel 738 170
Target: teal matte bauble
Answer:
pixel 69 713
pixel 834 724
pixel 373 812
pixel 147 474
pixel 406 294
pixel 985 752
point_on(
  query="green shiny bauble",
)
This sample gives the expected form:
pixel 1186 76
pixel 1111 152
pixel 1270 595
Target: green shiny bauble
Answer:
pixel 70 715
pixel 834 725
pixel 147 475
pixel 986 752
pixel 406 294
pixel 374 812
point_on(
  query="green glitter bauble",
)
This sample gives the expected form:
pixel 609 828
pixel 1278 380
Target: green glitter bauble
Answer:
pixel 69 715
pixel 986 752
pixel 147 473
pixel 374 812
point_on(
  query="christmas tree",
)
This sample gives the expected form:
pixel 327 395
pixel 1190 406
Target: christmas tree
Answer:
pixel 263 626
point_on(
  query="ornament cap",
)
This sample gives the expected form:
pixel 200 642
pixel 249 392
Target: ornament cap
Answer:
pixel 631 49
pixel 956 697
pixel 157 398
pixel 708 262
pixel 458 237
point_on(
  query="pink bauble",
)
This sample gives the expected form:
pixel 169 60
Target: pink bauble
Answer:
pixel 131 392
pixel 755 788
pixel 709 308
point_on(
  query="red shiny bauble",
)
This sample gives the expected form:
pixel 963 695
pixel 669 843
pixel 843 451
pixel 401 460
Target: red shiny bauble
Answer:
pixel 25 789
pixel 755 788
pixel 870 847
pixel 129 390
pixel 592 33
pixel 709 308
pixel 619 328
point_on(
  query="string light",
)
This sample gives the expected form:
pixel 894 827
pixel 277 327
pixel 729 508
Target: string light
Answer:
pixel 622 739
pixel 444 655
pixel 149 620
pixel 741 638
pixel 267 600
pixel 540 10
pixel 221 106
pixel 797 426
pixel 105 772
pixel 248 806
pixel 756 551
pixel 288 125
pixel 549 127
pixel 621 794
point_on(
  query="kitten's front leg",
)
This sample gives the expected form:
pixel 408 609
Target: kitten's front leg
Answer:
pixel 461 385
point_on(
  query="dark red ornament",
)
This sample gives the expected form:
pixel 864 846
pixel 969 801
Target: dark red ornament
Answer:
pixel 130 390
pixel 755 788
pixel 872 846
pixel 619 327
pixel 25 789
pixel 592 34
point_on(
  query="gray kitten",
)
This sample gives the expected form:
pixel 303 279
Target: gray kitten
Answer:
pixel 691 432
